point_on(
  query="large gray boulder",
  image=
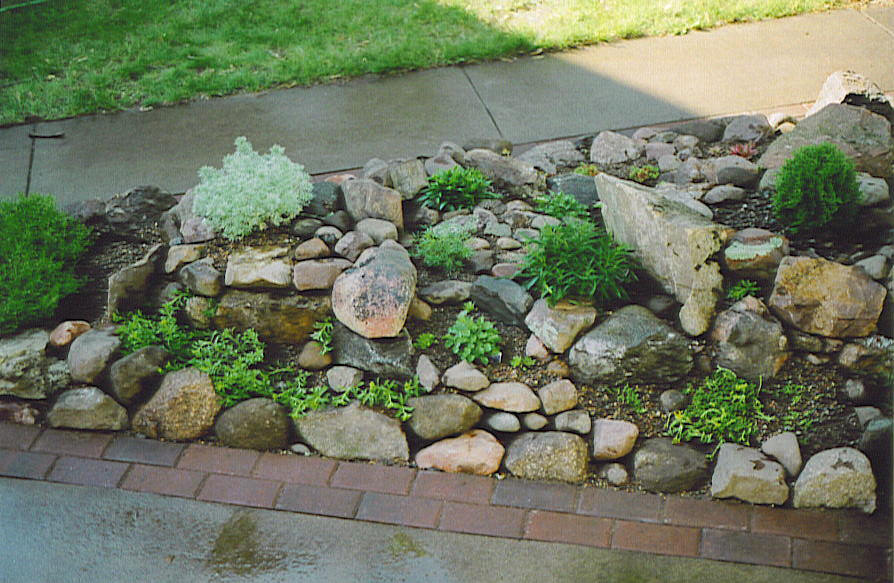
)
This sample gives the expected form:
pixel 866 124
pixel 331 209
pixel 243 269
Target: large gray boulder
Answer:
pixel 438 416
pixel 25 370
pixel 87 408
pixel 373 298
pixel 851 88
pixel 90 353
pixel 632 345
pixel 389 357
pixel 613 148
pixel 862 135
pixel 353 432
pixel 836 478
pixel 257 423
pixel 749 340
pixel 501 168
pixel 675 244
pixel 366 199
pixel 551 154
pixel 502 299
pixel 559 326
pixel 550 455
pixel 286 319
pixel 825 298
pixel 582 188
pixel 744 473
pixel 661 466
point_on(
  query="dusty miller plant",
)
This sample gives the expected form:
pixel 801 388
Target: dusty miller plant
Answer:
pixel 251 191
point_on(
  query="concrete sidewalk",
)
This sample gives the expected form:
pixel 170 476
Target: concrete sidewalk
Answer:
pixel 765 66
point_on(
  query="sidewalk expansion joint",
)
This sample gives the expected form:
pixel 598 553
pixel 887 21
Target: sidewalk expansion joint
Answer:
pixel 483 104
pixel 877 23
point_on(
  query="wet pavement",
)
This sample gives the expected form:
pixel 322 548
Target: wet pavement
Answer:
pixel 761 66
pixel 64 533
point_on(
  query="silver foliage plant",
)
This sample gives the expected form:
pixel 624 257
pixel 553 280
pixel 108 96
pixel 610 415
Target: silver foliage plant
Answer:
pixel 251 191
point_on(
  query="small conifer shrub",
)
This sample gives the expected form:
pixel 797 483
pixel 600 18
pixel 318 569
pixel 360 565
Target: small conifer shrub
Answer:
pixel 816 189
pixel 251 191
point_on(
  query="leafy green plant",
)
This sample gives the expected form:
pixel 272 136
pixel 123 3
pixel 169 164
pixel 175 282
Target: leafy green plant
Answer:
pixel 472 338
pixel 251 191
pixel 456 188
pixel 424 341
pixel 724 408
pixel 742 288
pixel 137 331
pixel 521 362
pixel 800 413
pixel 577 259
pixel 39 246
pixel 629 396
pixel 816 188
pixel 587 169
pixel 643 173
pixel 323 334
pixel 443 246
pixel 561 206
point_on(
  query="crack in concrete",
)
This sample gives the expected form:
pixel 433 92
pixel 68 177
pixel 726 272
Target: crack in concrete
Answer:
pixel 483 104
pixel 877 23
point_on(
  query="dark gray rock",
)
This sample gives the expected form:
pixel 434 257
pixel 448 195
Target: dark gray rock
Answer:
pixel 706 130
pixel 661 466
pixel 90 353
pixel 305 227
pixel 389 357
pixel 672 400
pixel 551 154
pixel 747 128
pixel 749 340
pixel 131 376
pixel 128 285
pixel 582 188
pixel 325 196
pixel 438 416
pixel 550 455
pixel 254 424
pixel 131 213
pixel 501 168
pixel 353 432
pixel 502 299
pixel 631 345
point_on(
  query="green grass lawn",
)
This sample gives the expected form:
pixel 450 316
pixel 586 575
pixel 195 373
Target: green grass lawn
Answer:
pixel 61 58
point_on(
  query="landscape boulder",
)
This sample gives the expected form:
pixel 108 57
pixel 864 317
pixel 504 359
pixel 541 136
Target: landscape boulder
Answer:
pixel 744 473
pixel 548 455
pixel 87 408
pixel 661 466
pixel 257 423
pixel 836 478
pixel 183 407
pixel 749 340
pixel 353 432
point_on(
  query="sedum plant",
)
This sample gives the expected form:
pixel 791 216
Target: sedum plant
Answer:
pixel 456 188
pixel 577 259
pixel 251 191
pixel 816 188
pixel 39 246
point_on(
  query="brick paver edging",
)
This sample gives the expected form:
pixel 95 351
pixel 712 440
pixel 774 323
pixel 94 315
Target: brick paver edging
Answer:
pixel 840 542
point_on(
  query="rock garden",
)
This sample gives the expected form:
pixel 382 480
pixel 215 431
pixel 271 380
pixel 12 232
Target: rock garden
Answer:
pixel 704 308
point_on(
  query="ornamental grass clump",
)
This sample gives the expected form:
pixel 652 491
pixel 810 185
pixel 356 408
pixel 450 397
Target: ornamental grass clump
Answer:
pixel 577 260
pixel 251 191
pixel 455 189
pixel 815 189
pixel 39 246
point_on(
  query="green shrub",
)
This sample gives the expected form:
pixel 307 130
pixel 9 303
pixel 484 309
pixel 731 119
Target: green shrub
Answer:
pixel 577 259
pixel 39 246
pixel 561 206
pixel 745 287
pixel 137 331
pixel 724 408
pixel 251 191
pixel 456 188
pixel 443 246
pixel 473 339
pixel 816 188
pixel 424 341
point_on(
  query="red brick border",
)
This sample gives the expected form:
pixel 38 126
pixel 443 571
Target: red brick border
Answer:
pixel 831 541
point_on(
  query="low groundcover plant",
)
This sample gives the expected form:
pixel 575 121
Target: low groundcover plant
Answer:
pixel 251 191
